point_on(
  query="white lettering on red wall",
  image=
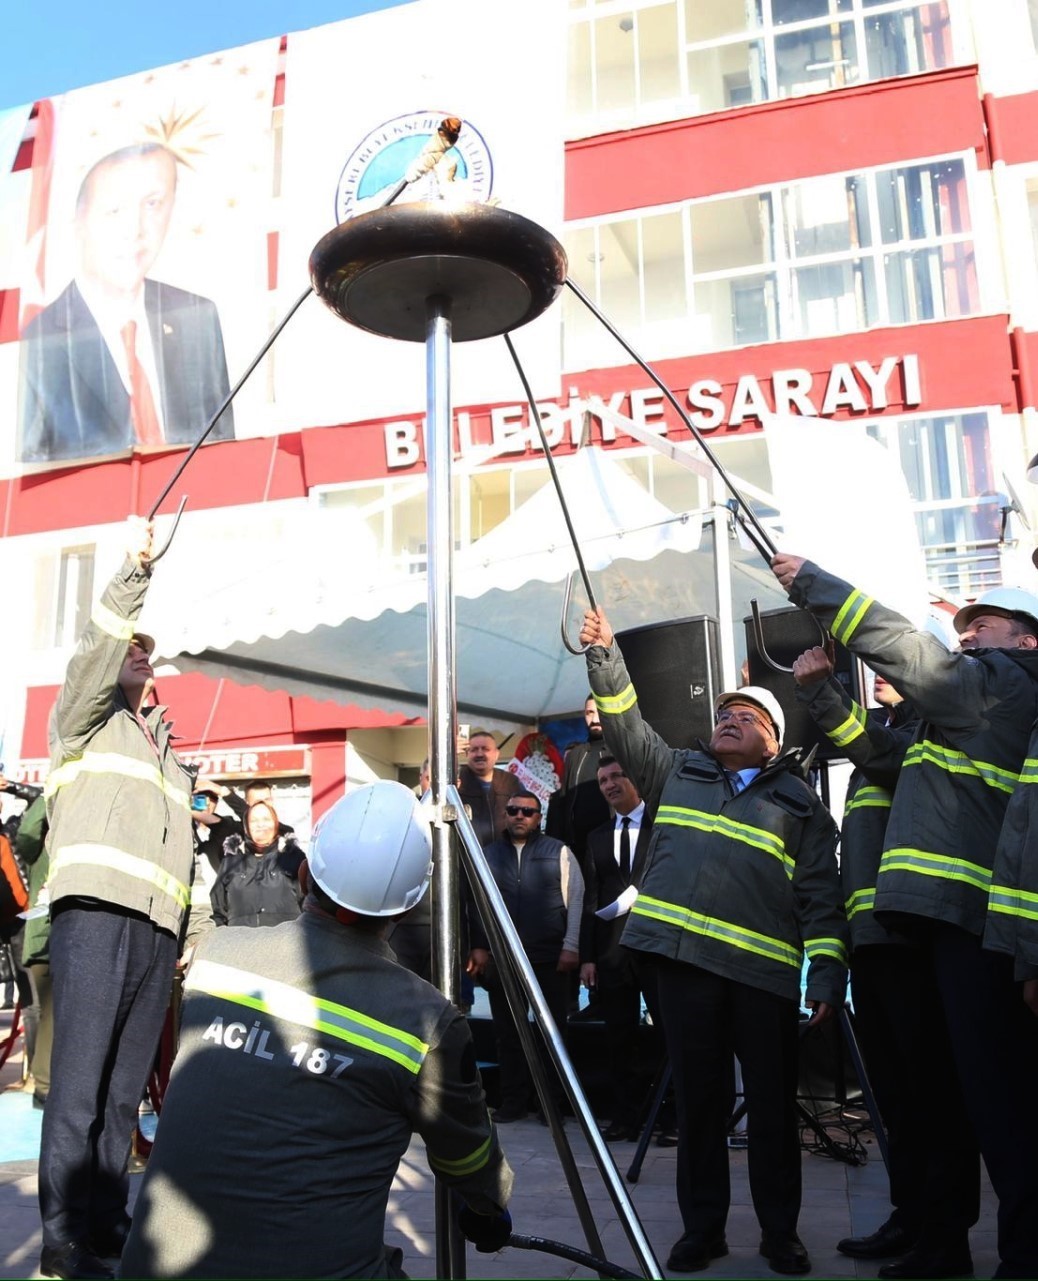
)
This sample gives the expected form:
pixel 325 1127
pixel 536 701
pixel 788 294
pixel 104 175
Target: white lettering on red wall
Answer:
pixel 848 387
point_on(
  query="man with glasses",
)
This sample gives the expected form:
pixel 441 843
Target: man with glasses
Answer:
pixel 741 881
pixel 543 890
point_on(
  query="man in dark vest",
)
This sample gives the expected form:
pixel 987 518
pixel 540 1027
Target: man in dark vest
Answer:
pixel 542 887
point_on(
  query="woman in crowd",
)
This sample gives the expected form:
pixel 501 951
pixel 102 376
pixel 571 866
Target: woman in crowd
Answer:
pixel 258 882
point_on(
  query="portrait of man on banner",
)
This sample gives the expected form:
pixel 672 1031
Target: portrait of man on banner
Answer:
pixel 119 359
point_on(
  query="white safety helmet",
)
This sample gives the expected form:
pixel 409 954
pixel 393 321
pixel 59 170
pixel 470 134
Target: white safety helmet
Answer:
pixel 372 851
pixel 1013 601
pixel 760 697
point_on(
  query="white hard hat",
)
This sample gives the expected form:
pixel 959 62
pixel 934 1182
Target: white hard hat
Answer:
pixel 1013 601
pixel 371 852
pixel 760 697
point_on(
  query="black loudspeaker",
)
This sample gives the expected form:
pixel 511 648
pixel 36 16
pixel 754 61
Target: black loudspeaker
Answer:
pixel 674 669
pixel 787 633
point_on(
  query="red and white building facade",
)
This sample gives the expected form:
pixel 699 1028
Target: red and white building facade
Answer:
pixel 824 207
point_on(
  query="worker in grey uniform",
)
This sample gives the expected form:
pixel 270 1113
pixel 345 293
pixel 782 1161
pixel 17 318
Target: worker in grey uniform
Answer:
pixel 308 1059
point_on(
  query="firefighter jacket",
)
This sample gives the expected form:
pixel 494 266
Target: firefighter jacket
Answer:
pixel 307 1060
pixel 876 751
pixel 1012 920
pixel 118 797
pixel 964 760
pixel 740 885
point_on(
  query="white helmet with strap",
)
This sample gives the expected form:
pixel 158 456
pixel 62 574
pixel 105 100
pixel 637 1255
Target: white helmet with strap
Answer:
pixel 371 852
pixel 1013 601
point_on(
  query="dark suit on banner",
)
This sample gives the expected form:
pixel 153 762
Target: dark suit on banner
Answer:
pixel 73 403
pixel 622 974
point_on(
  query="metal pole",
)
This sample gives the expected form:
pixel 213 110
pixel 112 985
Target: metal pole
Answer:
pixel 517 973
pixel 723 585
pixel 443 713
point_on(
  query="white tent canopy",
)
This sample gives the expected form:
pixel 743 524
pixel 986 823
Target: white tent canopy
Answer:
pixel 313 611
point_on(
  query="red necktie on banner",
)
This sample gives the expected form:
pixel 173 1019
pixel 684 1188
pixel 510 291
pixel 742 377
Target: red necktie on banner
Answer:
pixel 142 405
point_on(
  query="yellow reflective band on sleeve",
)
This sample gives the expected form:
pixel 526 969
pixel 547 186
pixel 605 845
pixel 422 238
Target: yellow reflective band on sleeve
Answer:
pixel 88 854
pixel 115 763
pixel 826 947
pixel 850 614
pixel 955 762
pixel 869 798
pixel 616 704
pixel 863 900
pixel 463 1166
pixel 111 623
pixel 269 996
pixel 940 865
pixel 1029 771
pixel 1011 902
pixel 724 931
pixel 703 821
pixel 850 729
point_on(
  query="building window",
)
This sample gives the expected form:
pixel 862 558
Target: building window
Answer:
pixel 75 594
pixel 827 255
pixel 689 57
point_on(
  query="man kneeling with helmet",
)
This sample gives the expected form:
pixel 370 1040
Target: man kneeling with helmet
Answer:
pixel 308 1058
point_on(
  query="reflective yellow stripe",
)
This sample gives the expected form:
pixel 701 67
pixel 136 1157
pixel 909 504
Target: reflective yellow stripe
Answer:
pixel 940 865
pixel 703 821
pixel 853 610
pixel 292 1004
pixel 955 762
pixel 711 927
pixel 1013 902
pixel 88 854
pixel 826 947
pixel 863 900
pixel 463 1165
pixel 112 624
pixel 115 763
pixel 615 704
pixel 869 798
pixel 850 729
pixel 1029 771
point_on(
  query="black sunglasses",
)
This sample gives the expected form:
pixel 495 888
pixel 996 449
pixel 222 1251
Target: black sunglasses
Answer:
pixel 527 811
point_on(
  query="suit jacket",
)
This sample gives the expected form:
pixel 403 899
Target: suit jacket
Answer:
pixel 72 402
pixel 603 884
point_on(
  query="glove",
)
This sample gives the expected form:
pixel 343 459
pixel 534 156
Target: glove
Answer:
pixel 487 1232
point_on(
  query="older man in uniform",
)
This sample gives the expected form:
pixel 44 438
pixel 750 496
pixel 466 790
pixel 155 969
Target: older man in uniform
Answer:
pixel 308 1059
pixel 741 880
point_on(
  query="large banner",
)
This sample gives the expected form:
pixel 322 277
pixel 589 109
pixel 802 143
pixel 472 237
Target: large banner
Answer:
pixel 166 221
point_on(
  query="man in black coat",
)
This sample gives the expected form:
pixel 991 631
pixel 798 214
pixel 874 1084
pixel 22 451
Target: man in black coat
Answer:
pixel 613 865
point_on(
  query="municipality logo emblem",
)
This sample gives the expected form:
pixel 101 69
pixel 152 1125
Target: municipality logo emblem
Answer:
pixel 465 172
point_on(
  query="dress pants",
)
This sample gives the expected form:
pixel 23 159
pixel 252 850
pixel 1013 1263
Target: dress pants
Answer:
pixel 516 1082
pixel 111 972
pixel 994 1039
pixel 934 1160
pixel 707 1019
pixel 618 1000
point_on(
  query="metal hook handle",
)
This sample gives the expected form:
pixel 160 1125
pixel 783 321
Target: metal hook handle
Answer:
pixel 762 649
pixel 578 650
pixel 169 538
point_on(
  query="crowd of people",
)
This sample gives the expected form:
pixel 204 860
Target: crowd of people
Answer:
pixel 700 884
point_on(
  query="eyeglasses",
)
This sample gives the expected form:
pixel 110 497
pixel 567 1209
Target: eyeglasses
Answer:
pixel 527 811
pixel 744 718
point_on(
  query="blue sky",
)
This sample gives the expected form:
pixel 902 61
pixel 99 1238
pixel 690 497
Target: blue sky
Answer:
pixel 54 45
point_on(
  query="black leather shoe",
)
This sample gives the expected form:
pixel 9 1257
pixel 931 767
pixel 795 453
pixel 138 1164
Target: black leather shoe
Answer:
pixel 693 1253
pixel 785 1254
pixel 73 1260
pixel 110 1243
pixel 889 1240
pixel 621 1130
pixel 924 1261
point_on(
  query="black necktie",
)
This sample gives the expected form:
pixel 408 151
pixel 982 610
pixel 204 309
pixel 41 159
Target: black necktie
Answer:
pixel 625 851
